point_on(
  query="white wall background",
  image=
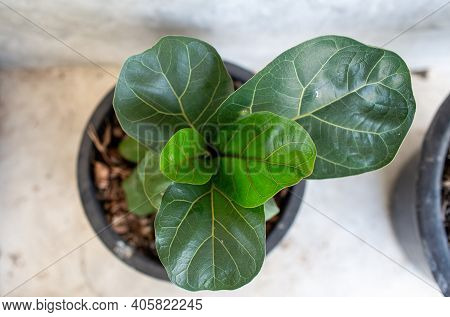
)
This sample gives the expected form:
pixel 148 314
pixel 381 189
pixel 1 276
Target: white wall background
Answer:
pixel 249 32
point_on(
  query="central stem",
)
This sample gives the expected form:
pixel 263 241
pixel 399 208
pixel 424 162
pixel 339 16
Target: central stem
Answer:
pixel 212 151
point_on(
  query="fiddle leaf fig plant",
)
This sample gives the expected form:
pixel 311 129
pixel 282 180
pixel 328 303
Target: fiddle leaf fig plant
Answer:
pixel 254 158
pixel 214 158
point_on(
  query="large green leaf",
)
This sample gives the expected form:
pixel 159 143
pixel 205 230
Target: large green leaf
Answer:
pixel 179 82
pixel 154 181
pixel 135 197
pixel 261 154
pixel 132 150
pixel 206 241
pixel 186 159
pixel 355 101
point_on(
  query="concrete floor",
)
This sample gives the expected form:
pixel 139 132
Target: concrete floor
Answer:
pixel 46 244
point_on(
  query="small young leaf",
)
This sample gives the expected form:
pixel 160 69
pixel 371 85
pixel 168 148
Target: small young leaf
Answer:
pixel 132 150
pixel 154 181
pixel 355 101
pixel 135 197
pixel 206 241
pixel 261 154
pixel 186 159
pixel 270 209
pixel 179 82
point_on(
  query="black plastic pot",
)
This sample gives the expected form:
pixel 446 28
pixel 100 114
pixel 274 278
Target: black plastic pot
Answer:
pixel 97 216
pixel 416 203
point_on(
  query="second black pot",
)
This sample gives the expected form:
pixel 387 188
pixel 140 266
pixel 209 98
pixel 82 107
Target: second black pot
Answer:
pixel 417 203
pixel 97 215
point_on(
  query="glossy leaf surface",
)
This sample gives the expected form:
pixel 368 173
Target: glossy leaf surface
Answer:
pixel 206 241
pixel 186 159
pixel 179 82
pixel 261 154
pixel 355 101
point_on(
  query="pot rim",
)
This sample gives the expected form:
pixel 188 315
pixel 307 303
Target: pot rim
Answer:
pixel 95 212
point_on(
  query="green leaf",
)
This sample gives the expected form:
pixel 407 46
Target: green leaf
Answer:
pixel 179 82
pixel 261 154
pixel 186 159
pixel 355 101
pixel 270 209
pixel 154 181
pixel 135 197
pixel 206 241
pixel 132 150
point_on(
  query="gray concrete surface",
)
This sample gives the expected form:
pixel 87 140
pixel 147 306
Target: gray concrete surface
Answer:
pixel 246 31
pixel 42 113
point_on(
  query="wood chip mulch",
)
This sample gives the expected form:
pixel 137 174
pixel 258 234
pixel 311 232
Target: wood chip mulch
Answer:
pixel 110 169
pixel 446 197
